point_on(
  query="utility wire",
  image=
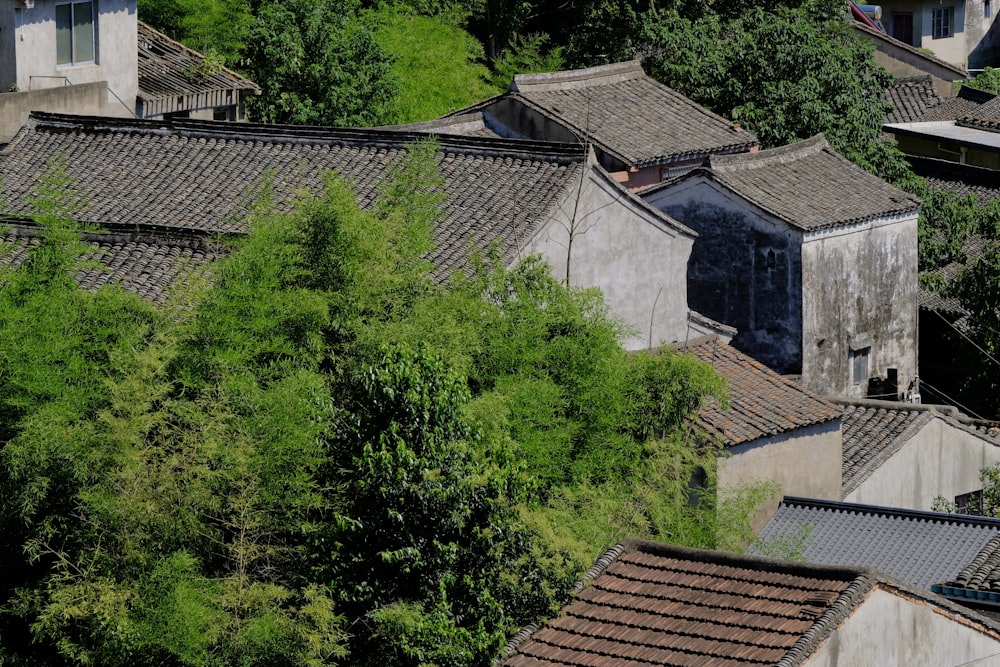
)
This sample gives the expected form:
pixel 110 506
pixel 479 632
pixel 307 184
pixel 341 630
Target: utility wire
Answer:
pixel 960 333
pixel 940 393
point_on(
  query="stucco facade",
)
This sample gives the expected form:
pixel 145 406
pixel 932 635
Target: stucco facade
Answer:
pixel 859 292
pixel 28 48
pixel 833 300
pixel 637 257
pixel 804 462
pixel 970 40
pixel 892 627
pixel 941 459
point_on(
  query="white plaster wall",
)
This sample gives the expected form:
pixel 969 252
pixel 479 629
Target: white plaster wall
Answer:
pixel 859 289
pixel 940 460
pixel 637 259
pixel 954 49
pixel 116 45
pixel 890 629
pixel 805 462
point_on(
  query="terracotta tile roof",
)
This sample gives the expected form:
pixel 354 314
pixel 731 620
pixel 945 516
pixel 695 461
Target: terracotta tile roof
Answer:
pixel 871 435
pixel 149 267
pixel 652 604
pixel 807 184
pixel 201 176
pixel 919 548
pixel 761 402
pixel 169 69
pixel 630 115
pixel 911 98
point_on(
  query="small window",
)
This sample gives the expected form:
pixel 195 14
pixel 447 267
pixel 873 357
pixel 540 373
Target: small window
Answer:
pixel 987 10
pixel 859 365
pixel 75 33
pixel 943 22
pixel 970 503
pixel 224 113
pixel 770 259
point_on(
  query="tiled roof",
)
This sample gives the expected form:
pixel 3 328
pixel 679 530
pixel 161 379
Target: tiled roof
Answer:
pixel 630 115
pixel 651 604
pixel 986 116
pixel 960 179
pixel 199 175
pixel 965 102
pixel 919 548
pixel 807 184
pixel 168 68
pixel 871 435
pixel 911 98
pixel 983 571
pixel 148 268
pixel 761 402
pixel 873 431
pixel 466 125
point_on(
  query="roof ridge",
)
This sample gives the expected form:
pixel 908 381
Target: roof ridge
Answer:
pixel 879 510
pixel 563 153
pixel 579 78
pixel 727 163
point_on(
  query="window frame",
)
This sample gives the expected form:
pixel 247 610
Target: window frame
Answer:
pixel 859 362
pixel 74 31
pixel 942 22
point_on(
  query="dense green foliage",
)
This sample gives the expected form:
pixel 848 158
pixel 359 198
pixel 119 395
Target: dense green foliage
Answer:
pixel 322 456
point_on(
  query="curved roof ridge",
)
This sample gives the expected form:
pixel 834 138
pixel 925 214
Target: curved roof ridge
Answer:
pixel 578 78
pixel 789 153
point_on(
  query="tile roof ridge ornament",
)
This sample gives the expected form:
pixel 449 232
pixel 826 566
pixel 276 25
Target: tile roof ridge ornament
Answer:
pixel 578 78
pixel 726 163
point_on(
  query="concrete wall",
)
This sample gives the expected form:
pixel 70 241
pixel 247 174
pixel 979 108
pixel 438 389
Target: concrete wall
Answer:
pixel 729 279
pixel 805 462
pixel 891 628
pixel 940 460
pixel 627 250
pixel 85 99
pixel 902 64
pixel 34 34
pixel 859 289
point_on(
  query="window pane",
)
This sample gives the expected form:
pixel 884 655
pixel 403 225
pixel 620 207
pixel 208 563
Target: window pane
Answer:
pixel 83 32
pixel 64 37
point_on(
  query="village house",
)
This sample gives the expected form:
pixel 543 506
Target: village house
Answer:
pixel 774 430
pixel 644 603
pixel 810 258
pixel 515 198
pixel 642 131
pixel 904 61
pixel 93 58
pixel 909 455
pixel 959 32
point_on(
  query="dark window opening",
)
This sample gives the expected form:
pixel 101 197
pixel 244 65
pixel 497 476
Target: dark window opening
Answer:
pixel 942 22
pixel 770 259
pixel 970 503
